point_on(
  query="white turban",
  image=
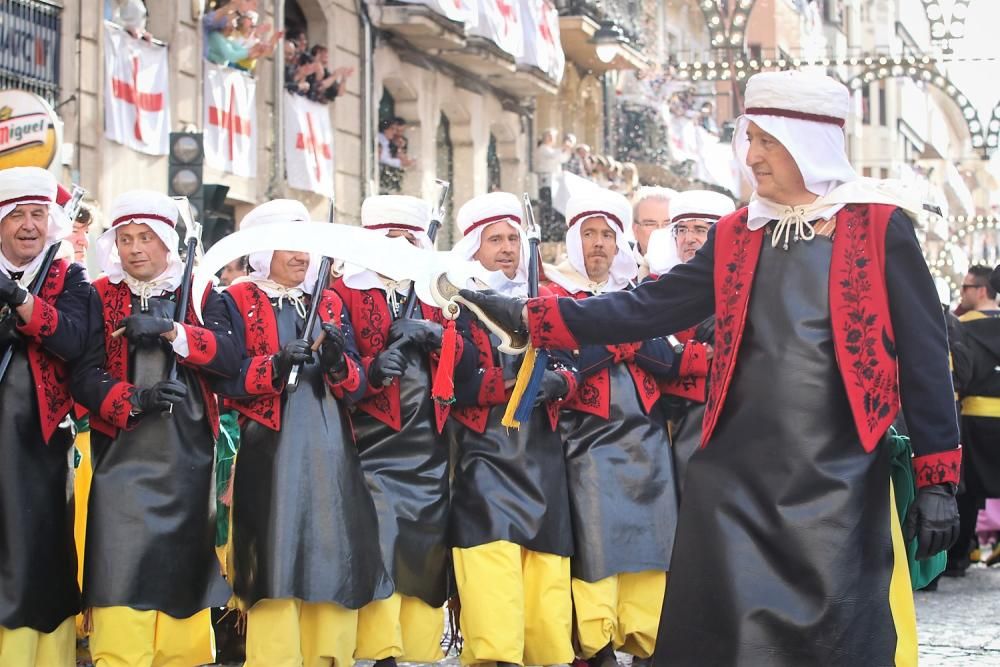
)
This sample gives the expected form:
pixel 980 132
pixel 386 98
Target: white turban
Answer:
pixel 143 207
pixel 617 211
pixel 479 213
pixel 32 185
pixel 703 205
pixel 278 210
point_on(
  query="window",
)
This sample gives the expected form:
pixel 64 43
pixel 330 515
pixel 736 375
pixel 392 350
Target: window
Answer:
pixel 492 166
pixel 866 104
pixel 866 172
pixel 883 113
pixel 29 47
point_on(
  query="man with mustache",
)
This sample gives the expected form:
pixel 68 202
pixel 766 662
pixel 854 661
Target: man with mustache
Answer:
pixel 305 549
pixel 38 591
pixel 150 570
pixel 788 549
pixel 622 488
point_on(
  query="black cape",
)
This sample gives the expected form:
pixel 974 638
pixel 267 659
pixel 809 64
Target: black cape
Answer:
pixel 151 516
pixel 303 522
pixel 783 553
pixel 407 474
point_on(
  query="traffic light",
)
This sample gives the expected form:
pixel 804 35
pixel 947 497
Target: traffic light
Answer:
pixel 184 174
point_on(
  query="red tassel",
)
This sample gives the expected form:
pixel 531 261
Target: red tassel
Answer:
pixel 443 389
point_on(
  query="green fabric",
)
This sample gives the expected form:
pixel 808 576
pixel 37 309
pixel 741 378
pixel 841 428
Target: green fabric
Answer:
pixel 225 454
pixel 904 482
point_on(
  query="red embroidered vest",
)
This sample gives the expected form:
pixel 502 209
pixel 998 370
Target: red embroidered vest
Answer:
pixel 261 333
pixel 116 304
pixel 48 371
pixel 859 313
pixel 593 394
pixel 690 387
pixel 371 319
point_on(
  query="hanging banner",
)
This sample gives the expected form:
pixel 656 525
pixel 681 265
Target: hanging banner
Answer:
pixel 230 123
pixel 542 48
pixel 500 22
pixel 30 131
pixel 308 145
pixel 137 104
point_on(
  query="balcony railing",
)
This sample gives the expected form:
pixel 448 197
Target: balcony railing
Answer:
pixel 628 14
pixel 29 47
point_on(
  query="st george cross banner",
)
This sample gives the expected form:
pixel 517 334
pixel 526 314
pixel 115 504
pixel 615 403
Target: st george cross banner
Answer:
pixel 308 145
pixel 463 11
pixel 542 48
pixel 230 122
pixel 137 104
pixel 500 22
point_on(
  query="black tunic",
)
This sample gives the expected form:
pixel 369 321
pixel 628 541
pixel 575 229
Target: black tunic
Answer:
pixel 407 474
pixel 38 564
pixel 151 516
pixel 810 526
pixel 37 558
pixel 511 484
pixel 303 522
pixel 621 485
pixel 980 435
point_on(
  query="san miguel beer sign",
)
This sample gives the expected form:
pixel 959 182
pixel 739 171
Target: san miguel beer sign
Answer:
pixel 29 130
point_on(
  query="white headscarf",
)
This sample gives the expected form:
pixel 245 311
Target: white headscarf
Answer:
pixel 32 185
pixel 705 206
pixel 617 212
pixel 806 113
pixel 277 210
pixel 479 213
pixel 143 207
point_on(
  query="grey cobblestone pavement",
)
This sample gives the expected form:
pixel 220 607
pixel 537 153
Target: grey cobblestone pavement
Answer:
pixel 959 624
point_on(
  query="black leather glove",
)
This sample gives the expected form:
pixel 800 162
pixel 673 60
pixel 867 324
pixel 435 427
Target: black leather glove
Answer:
pixel 159 397
pixel 295 352
pixel 389 364
pixel 11 293
pixel 331 351
pixel 705 332
pixel 554 386
pixel 8 330
pixel 504 310
pixel 145 328
pixel 423 333
pixel 933 520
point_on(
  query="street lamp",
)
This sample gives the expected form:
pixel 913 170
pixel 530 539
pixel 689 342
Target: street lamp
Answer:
pixel 606 40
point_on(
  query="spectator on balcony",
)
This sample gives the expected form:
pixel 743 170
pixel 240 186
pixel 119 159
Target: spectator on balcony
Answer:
pixel 249 33
pixel 219 13
pixel 324 85
pixel 392 144
pixel 130 15
pixel 225 49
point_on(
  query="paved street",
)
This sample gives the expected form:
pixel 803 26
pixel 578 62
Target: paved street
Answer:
pixel 959 624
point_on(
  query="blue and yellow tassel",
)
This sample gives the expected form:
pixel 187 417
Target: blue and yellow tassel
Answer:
pixel 526 388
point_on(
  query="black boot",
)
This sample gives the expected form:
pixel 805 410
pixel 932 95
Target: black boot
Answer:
pixel 604 658
pixel 385 662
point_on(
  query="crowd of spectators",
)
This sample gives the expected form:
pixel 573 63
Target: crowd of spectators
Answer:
pixel 307 70
pixel 393 155
pixel 235 36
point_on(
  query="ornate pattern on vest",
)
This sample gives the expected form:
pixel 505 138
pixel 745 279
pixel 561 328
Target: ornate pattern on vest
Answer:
pixel 859 314
pixel 116 305
pixel 49 372
pixel 475 417
pixel 261 334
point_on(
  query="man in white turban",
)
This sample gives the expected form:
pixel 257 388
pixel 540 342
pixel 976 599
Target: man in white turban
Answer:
pixel 42 334
pixel 305 550
pixel 827 322
pixel 151 575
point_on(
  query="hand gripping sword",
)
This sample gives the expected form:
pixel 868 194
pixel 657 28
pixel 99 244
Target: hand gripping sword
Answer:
pixel 192 243
pixel 72 208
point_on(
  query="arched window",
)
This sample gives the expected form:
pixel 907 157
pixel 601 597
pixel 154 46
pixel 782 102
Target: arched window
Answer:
pixel 445 164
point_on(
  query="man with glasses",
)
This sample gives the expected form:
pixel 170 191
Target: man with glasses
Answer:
pixel 980 331
pixel 651 211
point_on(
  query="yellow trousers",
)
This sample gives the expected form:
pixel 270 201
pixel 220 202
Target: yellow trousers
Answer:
pixel 516 605
pixel 294 633
pixel 401 627
pixel 125 637
pixel 82 478
pixel 623 610
pixel 25 647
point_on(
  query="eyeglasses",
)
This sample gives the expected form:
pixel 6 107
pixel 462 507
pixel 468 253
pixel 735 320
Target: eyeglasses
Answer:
pixel 971 286
pixel 699 231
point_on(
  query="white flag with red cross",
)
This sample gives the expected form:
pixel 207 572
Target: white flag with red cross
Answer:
pixel 137 104
pixel 463 11
pixel 500 22
pixel 230 122
pixel 542 48
pixel 308 145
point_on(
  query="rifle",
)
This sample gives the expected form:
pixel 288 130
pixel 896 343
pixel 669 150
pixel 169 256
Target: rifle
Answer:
pixel 71 208
pixel 192 240
pixel 322 280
